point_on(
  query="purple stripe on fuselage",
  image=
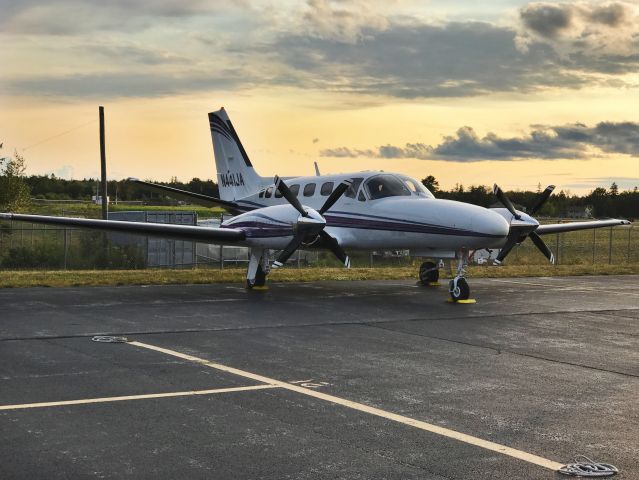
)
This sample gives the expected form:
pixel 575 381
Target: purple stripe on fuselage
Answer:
pixel 413 227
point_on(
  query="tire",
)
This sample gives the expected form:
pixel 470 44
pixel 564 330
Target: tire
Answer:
pixel 428 273
pixel 260 279
pixel 462 292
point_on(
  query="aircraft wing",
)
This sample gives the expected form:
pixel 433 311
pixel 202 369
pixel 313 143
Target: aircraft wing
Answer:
pixel 572 226
pixel 163 230
pixel 197 198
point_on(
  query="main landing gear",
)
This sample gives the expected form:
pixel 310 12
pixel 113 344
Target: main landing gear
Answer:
pixel 429 274
pixel 258 269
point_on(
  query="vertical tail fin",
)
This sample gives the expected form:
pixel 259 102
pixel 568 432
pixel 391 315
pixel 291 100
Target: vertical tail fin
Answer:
pixel 236 176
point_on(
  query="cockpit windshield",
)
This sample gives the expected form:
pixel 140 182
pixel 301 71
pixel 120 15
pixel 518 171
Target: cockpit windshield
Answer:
pixel 386 185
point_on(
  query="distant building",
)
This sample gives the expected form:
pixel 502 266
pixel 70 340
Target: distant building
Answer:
pixel 158 252
pixel 97 199
pixel 574 211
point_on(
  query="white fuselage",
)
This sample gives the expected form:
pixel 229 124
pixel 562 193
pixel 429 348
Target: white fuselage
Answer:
pixel 363 218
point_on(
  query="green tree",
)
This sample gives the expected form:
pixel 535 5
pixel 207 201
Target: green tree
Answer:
pixel 431 184
pixel 614 189
pixel 14 192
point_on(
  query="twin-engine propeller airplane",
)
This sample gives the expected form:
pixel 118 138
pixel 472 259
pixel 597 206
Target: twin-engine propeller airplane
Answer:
pixel 364 210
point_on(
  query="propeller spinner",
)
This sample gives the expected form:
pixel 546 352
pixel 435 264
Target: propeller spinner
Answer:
pixel 522 230
pixel 311 224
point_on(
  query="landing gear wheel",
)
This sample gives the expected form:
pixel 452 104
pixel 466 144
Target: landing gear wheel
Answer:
pixel 260 279
pixel 428 273
pixel 459 289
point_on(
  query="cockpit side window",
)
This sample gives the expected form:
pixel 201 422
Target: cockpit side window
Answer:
pixel 352 190
pixel 416 187
pixel 361 197
pixel 382 186
pixel 269 192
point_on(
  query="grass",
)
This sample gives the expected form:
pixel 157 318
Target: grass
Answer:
pixel 90 210
pixel 75 278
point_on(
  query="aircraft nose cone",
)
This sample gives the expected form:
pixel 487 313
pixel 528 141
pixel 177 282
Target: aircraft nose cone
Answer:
pixel 490 223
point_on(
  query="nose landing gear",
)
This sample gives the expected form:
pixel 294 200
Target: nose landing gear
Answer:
pixel 458 286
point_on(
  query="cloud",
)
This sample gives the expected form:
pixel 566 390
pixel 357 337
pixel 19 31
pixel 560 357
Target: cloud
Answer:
pixel 123 84
pixel 546 20
pixel 132 53
pixel 418 60
pixel 366 49
pixel 66 17
pixel 344 21
pixel 579 31
pixel 572 141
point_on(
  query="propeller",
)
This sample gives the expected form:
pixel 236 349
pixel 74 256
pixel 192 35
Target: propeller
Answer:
pixel 505 201
pixel 311 224
pixel 519 232
pixel 545 195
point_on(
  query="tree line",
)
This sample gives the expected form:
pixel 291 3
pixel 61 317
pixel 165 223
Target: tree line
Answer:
pixel 600 202
pixel 17 189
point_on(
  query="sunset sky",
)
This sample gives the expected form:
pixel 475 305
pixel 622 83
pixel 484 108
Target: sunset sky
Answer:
pixel 504 91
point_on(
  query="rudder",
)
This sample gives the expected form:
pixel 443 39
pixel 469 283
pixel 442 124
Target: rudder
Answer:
pixel 236 176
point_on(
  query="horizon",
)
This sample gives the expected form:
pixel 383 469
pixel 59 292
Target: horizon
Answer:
pixel 515 93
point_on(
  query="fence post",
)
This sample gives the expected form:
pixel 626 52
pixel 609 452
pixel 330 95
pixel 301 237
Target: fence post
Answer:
pixel 66 248
pixel 610 247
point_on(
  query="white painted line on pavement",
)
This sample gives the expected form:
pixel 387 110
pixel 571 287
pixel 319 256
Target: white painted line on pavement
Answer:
pixel 135 397
pixel 429 427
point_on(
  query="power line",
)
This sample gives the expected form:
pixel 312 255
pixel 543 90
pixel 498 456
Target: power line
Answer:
pixel 58 135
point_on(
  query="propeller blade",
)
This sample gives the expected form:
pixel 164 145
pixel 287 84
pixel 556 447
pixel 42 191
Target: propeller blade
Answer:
pixel 539 243
pixel 288 195
pixel 501 196
pixel 510 243
pixel 334 246
pixel 542 199
pixel 288 251
pixel 335 196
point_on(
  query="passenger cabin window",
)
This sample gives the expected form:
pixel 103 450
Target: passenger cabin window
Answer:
pixel 382 186
pixel 309 189
pixel 327 189
pixel 295 189
pixel 269 192
pixel 352 190
pixel 278 194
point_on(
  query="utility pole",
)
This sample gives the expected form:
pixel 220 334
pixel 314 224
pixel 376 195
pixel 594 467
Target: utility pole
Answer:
pixel 105 204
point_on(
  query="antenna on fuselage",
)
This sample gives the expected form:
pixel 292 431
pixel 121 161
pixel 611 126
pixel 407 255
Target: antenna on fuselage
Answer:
pixel 317 172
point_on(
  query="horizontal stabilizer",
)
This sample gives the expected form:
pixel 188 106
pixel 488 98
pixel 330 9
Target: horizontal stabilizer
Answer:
pixel 197 198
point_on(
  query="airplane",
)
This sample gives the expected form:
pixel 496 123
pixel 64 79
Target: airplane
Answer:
pixel 371 210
